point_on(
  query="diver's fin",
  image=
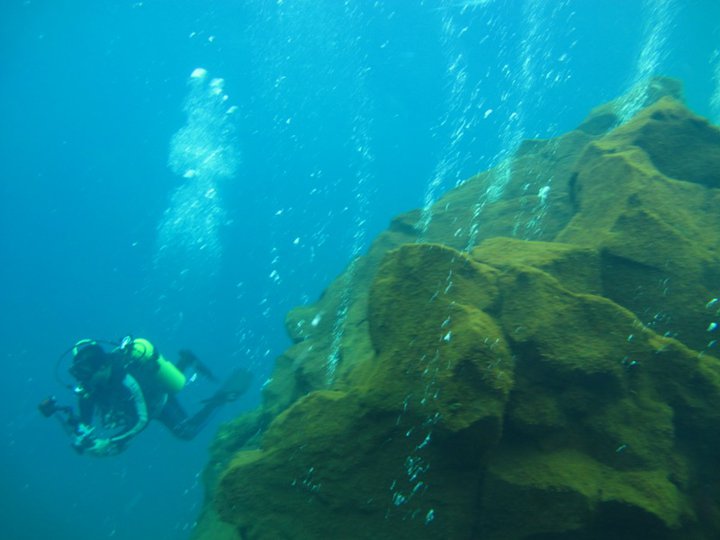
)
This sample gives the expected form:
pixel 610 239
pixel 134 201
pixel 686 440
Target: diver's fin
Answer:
pixel 233 388
pixel 188 359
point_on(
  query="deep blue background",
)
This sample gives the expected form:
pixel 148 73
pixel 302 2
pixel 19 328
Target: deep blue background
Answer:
pixel 90 96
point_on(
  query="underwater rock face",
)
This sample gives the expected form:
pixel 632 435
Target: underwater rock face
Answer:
pixel 557 381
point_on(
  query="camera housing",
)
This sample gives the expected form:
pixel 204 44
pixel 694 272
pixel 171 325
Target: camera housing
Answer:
pixel 48 406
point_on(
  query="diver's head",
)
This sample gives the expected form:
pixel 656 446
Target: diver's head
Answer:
pixel 91 365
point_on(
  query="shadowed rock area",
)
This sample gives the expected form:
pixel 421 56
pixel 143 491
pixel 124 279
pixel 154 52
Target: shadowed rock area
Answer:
pixel 554 381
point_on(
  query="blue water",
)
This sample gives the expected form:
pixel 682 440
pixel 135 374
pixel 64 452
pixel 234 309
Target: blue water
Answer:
pixel 333 116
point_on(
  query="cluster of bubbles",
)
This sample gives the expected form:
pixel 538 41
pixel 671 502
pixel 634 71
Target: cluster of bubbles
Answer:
pixel 713 308
pixel 205 147
pixel 527 68
pixel 203 153
pixel 460 116
pixel 363 158
pixel 529 71
pixel 715 99
pixel 660 14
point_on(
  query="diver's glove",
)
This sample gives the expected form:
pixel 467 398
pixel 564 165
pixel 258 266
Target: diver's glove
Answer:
pixel 102 447
pixel 84 438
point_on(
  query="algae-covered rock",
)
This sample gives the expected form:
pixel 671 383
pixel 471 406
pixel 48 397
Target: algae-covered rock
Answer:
pixel 530 359
pixel 657 235
pixel 567 494
pixel 436 398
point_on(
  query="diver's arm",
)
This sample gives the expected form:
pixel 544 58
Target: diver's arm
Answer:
pixel 113 445
pixel 80 427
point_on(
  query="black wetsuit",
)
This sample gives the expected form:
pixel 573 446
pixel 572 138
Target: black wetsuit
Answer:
pixel 124 406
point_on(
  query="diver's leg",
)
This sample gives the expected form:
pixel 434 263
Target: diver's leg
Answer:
pixel 174 417
pixel 193 425
pixel 184 427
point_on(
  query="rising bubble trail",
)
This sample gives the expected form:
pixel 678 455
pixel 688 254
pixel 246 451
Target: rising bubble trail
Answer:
pixel 653 50
pixel 203 153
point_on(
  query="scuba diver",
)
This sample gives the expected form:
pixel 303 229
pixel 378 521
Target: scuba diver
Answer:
pixel 120 391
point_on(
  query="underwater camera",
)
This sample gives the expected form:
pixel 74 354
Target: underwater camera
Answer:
pixel 48 406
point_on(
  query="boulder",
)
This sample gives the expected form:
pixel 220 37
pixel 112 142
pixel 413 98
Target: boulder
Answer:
pixel 532 359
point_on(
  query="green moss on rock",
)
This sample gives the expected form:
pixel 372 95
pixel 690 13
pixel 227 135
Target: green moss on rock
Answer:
pixel 530 390
pixel 531 494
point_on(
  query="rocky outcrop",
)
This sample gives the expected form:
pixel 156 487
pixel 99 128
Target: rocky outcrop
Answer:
pixel 556 381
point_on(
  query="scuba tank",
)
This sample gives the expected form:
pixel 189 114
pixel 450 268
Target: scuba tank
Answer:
pixel 145 359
